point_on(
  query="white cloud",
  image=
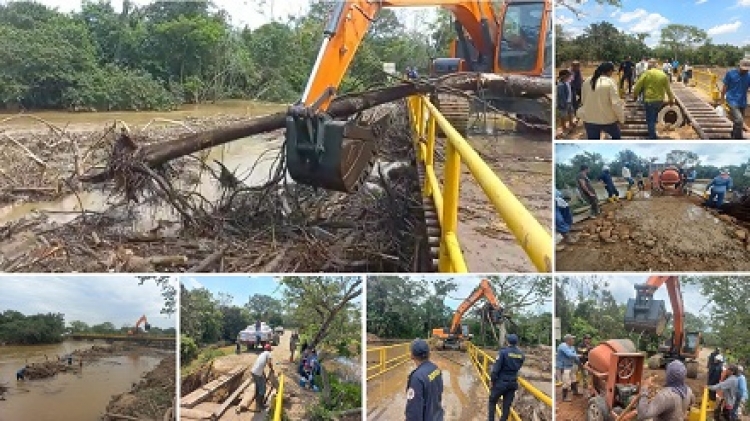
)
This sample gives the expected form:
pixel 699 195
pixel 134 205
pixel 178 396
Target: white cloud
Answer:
pixel 564 20
pixel 91 299
pixel 726 28
pixel 192 283
pixel 635 14
pixel 643 22
pixel 743 3
pixel 700 1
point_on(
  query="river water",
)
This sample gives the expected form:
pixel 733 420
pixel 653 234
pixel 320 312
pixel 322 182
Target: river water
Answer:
pixel 68 396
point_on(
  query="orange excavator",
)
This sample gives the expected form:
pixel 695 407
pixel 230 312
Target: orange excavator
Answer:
pixel 338 155
pixel 456 336
pixel 142 321
pixel 644 314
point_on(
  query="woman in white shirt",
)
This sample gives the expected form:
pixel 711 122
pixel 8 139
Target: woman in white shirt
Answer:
pixel 602 108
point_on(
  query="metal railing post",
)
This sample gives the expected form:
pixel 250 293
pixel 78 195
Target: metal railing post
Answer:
pixel 279 397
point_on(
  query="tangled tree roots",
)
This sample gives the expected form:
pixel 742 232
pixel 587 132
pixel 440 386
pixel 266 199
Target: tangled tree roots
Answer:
pixel 278 226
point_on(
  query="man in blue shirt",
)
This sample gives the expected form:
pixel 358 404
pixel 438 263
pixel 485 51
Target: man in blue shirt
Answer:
pixel 736 84
pixel 612 194
pixel 742 395
pixel 504 377
pixel 424 389
pixel 719 186
pixel 565 363
pixel 692 174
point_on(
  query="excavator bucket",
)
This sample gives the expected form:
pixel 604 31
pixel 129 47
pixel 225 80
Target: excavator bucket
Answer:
pixel 330 154
pixel 644 314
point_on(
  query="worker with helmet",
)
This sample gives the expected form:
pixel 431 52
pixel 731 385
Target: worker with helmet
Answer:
pixel 612 194
pixel 719 187
pixel 566 362
pixel 258 372
pixel 424 387
pixel 714 374
pixel 504 377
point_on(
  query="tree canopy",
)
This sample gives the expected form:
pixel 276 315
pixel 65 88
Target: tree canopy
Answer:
pixel 35 329
pixel 602 41
pixel 166 53
pixel 566 172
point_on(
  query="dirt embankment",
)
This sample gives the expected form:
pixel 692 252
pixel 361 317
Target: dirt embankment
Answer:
pixel 59 364
pixel 153 398
pixel 658 234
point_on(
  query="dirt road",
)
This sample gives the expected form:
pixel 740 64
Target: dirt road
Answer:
pixel 523 164
pixel 295 399
pixel 657 234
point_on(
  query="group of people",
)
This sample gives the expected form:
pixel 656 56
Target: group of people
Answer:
pixel 424 390
pixel 727 385
pixel 569 362
pixel 597 101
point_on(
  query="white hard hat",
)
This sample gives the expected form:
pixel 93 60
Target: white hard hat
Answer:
pixel 719 358
pixel 606 168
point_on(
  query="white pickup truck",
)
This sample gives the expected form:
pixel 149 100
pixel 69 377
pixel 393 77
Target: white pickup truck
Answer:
pixel 249 336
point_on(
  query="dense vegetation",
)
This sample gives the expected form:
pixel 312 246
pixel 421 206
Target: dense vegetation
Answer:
pixel 166 53
pixel 17 328
pixel 105 328
pixel 602 41
pixel 318 307
pixel 406 307
pixel 565 173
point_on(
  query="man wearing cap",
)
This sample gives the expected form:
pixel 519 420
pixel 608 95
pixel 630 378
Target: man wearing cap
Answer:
pixel 736 84
pixel 263 360
pixel 654 85
pixel 424 388
pixel 720 185
pixel 504 377
pixel 714 374
pixel 565 363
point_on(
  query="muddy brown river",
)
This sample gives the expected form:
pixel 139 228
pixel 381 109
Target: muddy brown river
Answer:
pixel 67 396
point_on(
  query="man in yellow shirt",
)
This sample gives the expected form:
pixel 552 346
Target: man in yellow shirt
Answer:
pixel 654 84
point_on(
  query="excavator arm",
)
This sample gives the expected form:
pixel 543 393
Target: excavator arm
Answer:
pixel 338 155
pixel 484 290
pixel 646 315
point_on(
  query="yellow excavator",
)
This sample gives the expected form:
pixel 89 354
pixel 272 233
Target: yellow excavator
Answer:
pixel 339 154
pixel 456 335
pixel 142 321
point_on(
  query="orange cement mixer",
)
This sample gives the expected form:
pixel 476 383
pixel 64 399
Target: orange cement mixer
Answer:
pixel 616 370
pixel 668 181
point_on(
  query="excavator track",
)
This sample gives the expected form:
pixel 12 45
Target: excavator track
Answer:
pixel 457 110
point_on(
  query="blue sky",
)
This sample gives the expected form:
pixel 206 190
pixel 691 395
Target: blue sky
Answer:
pixel 709 153
pixel 239 287
pixel 726 21
pixel 92 299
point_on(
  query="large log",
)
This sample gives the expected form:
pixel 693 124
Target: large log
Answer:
pixel 344 106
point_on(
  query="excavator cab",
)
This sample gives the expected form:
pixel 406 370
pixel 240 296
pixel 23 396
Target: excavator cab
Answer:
pixel 523 37
pixel 644 314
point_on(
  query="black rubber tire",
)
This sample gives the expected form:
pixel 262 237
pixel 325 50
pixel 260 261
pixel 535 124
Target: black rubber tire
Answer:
pixel 597 410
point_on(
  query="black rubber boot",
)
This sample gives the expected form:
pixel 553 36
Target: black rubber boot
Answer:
pixel 566 398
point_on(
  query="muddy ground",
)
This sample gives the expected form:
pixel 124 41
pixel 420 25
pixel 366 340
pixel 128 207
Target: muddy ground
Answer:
pixel 296 400
pixel 464 395
pixel 658 234
pixel 153 398
pixel 576 409
pixel 238 229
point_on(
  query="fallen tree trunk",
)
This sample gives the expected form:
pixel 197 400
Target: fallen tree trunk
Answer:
pixel 344 106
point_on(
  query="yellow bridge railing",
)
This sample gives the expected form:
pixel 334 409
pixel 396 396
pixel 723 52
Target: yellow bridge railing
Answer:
pixel 708 81
pixel 386 358
pixel 278 402
pixel 482 362
pixel 535 240
pixel 389 357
